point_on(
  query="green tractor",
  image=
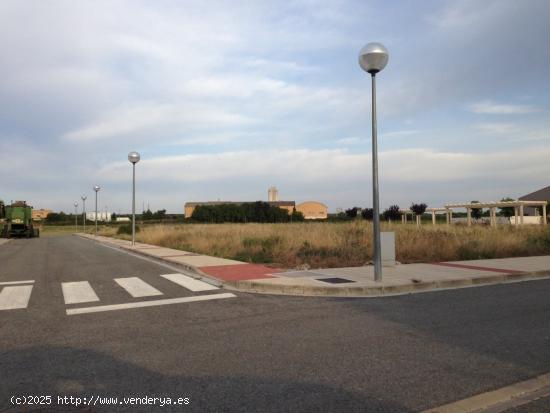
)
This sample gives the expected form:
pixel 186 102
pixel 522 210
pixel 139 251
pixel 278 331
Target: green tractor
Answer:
pixel 17 219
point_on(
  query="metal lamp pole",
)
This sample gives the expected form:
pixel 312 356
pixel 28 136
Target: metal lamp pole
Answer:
pixel 96 189
pixel 84 197
pixel 373 58
pixel 76 217
pixel 134 158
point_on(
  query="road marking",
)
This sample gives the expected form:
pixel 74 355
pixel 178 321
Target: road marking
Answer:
pixel 17 282
pixel 189 283
pixel 475 267
pixel 137 287
pixel 78 292
pixel 500 400
pixel 153 303
pixel 12 298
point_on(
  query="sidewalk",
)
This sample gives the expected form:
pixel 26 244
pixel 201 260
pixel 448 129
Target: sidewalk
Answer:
pixel 345 282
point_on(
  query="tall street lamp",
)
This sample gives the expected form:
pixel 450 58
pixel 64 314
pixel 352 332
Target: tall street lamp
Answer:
pixel 84 197
pixel 76 217
pixel 133 157
pixel 96 189
pixel 373 58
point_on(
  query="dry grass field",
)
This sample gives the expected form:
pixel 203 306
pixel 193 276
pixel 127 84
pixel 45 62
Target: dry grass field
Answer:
pixel 325 244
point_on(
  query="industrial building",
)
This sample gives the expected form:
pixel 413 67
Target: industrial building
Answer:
pixel 310 209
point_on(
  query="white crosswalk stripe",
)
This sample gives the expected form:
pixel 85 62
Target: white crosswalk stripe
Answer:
pixel 189 283
pixel 78 292
pixel 16 294
pixel 15 297
pixel 137 287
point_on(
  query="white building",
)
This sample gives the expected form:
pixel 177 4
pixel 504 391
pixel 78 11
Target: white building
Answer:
pixel 101 216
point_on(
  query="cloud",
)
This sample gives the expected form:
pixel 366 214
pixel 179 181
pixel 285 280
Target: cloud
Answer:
pixel 401 133
pixel 491 108
pixel 335 166
pixel 145 118
pixel 497 128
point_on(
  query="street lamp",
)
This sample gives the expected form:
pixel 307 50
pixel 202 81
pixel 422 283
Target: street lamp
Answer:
pixel 76 217
pixel 84 197
pixel 96 189
pixel 373 58
pixel 133 157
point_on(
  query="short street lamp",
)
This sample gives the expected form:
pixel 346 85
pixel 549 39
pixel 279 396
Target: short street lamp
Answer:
pixel 373 58
pixel 96 189
pixel 84 197
pixel 76 217
pixel 134 158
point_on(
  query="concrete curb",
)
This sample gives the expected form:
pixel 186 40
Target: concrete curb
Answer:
pixel 195 272
pixel 383 291
pixel 258 287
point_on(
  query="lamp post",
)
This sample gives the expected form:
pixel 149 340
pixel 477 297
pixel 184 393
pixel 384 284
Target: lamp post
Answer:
pixel 134 158
pixel 84 197
pixel 373 58
pixel 96 189
pixel 76 217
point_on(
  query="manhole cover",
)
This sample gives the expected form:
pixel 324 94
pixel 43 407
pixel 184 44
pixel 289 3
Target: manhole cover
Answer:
pixel 335 280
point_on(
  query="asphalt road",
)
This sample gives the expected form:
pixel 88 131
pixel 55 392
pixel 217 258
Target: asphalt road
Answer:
pixel 258 352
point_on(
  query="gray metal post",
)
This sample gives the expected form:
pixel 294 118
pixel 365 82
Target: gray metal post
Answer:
pixel 377 256
pixel 133 203
pixel 96 213
pixel 75 218
pixel 84 213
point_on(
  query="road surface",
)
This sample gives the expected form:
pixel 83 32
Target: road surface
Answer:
pixel 216 350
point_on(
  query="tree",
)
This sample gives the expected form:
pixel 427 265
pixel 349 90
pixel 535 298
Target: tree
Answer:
pixel 507 211
pixel 418 210
pixel 476 212
pixel 160 214
pixel 147 215
pixel 392 213
pixel 367 213
pixel 113 217
pixel 352 212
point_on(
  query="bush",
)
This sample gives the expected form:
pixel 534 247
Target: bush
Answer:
pixel 392 213
pixel 352 212
pixel 126 229
pixel 248 212
pixel 367 213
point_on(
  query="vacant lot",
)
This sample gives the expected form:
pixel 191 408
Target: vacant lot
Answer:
pixel 344 244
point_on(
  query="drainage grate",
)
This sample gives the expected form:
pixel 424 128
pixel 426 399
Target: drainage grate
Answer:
pixel 335 280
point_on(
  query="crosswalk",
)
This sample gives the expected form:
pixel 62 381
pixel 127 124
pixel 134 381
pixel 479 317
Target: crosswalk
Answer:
pixel 16 294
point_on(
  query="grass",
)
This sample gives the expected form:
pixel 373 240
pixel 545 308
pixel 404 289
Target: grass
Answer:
pixel 325 245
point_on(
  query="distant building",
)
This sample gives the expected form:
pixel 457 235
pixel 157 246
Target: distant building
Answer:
pixel 190 206
pixel 540 195
pixel 313 210
pixel 40 214
pixel 310 209
pixel 101 216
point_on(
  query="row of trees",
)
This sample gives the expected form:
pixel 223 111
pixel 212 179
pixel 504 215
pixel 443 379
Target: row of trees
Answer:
pixel 392 213
pixel 248 212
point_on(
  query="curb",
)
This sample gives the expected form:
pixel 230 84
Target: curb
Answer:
pixel 196 272
pixel 383 291
pixel 258 287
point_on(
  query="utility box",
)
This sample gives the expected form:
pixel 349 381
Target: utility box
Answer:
pixel 387 248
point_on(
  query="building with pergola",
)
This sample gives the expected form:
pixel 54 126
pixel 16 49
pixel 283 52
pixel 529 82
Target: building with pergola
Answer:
pixel 519 210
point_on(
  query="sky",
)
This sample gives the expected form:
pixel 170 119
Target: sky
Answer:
pixel 224 99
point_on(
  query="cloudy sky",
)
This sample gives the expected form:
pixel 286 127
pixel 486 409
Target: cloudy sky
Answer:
pixel 224 99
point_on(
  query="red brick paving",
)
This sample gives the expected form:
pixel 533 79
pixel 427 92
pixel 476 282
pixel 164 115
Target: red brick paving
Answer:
pixel 473 267
pixel 240 271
